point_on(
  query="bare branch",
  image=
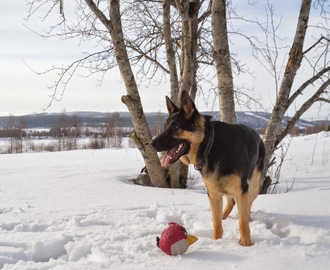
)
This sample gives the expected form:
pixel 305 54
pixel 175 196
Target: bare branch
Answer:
pixel 324 8
pixel 35 6
pixel 327 100
pixel 306 105
pixel 61 7
pixel 307 83
pixel 99 14
pixel 316 43
pixel 66 74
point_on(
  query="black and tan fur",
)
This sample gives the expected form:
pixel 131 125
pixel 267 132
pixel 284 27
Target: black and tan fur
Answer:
pixel 230 161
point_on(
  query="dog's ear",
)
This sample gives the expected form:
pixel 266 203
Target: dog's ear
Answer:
pixel 171 107
pixel 187 105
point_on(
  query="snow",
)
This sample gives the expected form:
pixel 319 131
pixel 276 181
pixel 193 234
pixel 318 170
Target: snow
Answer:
pixel 77 210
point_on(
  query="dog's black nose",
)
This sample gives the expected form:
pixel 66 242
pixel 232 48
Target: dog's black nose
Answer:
pixel 154 144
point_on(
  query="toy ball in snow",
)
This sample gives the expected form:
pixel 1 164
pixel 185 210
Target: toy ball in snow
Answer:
pixel 175 240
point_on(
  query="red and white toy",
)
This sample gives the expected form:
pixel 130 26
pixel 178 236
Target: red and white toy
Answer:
pixel 175 240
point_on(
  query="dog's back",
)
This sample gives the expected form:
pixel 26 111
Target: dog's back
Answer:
pixel 237 149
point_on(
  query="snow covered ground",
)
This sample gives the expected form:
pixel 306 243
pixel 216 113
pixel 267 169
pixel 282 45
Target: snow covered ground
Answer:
pixel 77 210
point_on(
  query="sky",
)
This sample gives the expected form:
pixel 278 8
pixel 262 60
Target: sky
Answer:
pixel 22 52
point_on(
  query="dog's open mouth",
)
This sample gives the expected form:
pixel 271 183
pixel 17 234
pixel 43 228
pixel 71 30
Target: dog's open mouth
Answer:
pixel 174 154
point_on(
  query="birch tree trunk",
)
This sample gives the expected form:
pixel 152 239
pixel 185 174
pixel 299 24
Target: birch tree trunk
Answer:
pixel 188 66
pixel 189 13
pixel 193 29
pixel 221 56
pixel 170 53
pixel 271 138
pixel 132 100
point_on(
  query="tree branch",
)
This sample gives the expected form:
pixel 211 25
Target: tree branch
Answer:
pixel 317 42
pixel 145 54
pixel 316 97
pixel 324 100
pixel 65 75
pixel 99 14
pixel 307 83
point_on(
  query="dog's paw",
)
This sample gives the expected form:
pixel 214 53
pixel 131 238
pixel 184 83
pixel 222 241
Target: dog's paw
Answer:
pixel 245 242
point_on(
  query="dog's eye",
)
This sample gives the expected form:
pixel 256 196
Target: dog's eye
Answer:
pixel 176 127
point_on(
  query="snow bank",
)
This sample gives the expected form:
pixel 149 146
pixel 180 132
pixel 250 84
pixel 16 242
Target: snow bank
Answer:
pixel 77 210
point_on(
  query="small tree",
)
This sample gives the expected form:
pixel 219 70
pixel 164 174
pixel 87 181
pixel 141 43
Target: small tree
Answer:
pixel 22 133
pixel 62 130
pixel 75 130
pixel 158 124
pixel 113 130
pixel 10 126
pixel 287 94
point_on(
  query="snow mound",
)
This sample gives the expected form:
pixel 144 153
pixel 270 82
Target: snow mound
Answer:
pixel 76 210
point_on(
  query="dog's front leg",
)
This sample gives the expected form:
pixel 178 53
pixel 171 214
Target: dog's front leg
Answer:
pixel 215 199
pixel 216 210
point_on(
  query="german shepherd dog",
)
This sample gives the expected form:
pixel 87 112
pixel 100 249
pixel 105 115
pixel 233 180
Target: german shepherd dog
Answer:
pixel 229 157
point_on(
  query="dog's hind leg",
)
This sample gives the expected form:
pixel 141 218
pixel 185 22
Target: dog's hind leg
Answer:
pixel 254 185
pixel 244 203
pixel 229 206
pixel 244 208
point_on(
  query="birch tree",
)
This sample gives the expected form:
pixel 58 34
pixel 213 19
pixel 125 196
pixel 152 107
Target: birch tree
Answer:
pixel 184 41
pixel 221 55
pixel 139 34
pixel 320 80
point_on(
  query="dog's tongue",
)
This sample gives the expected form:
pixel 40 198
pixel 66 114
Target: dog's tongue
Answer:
pixel 167 157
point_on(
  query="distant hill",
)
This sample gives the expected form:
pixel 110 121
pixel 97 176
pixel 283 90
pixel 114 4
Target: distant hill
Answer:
pixel 256 120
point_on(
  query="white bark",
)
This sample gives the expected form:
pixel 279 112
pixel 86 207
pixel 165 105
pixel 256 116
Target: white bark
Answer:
pixel 132 99
pixel 221 56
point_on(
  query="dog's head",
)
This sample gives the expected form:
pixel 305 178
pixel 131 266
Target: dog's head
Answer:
pixel 183 132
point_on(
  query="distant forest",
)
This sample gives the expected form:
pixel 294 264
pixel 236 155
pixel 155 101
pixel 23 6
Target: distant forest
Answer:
pixel 80 130
pixel 67 131
pixel 97 120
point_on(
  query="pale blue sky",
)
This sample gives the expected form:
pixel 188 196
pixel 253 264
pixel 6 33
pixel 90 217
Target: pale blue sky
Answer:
pixel 22 91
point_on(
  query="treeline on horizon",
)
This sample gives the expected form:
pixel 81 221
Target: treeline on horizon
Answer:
pixel 68 132
pixel 77 131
